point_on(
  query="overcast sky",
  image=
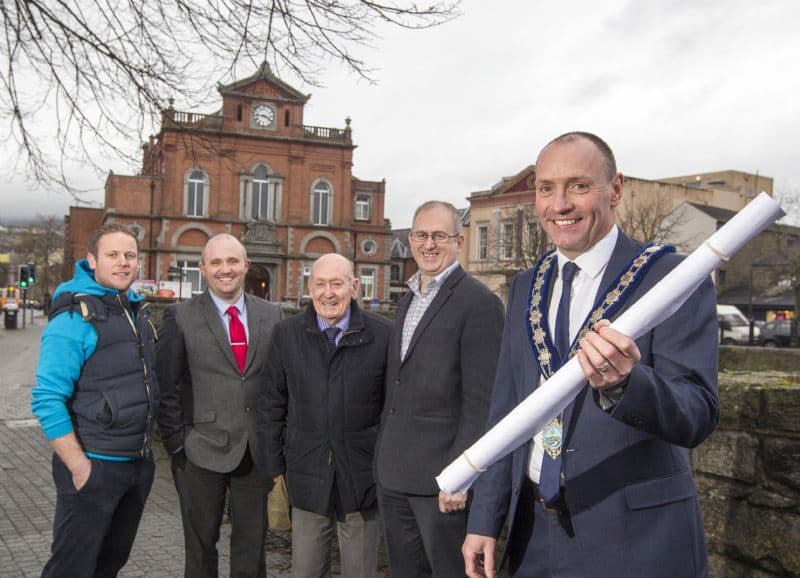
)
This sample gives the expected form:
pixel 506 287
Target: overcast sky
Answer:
pixel 675 87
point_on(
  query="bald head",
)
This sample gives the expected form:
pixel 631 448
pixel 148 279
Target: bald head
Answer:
pixel 222 239
pixel 224 264
pixel 332 286
pixel 336 261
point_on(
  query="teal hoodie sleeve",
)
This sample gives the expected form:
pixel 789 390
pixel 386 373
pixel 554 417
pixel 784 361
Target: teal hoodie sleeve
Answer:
pixel 67 342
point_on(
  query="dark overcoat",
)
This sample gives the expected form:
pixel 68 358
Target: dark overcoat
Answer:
pixel 319 409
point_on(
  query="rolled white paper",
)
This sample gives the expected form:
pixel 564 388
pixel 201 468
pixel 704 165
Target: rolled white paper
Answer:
pixel 657 305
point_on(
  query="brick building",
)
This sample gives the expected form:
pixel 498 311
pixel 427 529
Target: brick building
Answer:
pixel 255 170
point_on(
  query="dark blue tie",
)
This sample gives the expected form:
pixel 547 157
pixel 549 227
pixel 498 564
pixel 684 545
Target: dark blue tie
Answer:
pixel 330 336
pixel 562 315
pixel 549 478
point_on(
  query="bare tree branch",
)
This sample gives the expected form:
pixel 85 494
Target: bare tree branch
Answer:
pixel 650 220
pixel 89 75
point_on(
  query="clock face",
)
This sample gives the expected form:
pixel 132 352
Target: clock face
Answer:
pixel 263 115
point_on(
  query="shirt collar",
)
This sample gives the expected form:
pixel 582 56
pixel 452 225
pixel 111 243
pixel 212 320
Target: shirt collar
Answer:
pixel 222 306
pixel 593 262
pixel 342 324
pixel 415 280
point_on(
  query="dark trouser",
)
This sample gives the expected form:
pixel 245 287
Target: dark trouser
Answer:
pixel 202 496
pixel 420 540
pixel 542 543
pixel 94 528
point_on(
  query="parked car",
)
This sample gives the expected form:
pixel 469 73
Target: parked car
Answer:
pixel 734 326
pixel 777 333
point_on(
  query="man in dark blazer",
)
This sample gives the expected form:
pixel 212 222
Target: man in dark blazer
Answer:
pixel 442 359
pixel 319 410
pixel 624 501
pixel 210 356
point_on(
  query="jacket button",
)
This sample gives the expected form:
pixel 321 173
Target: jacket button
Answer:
pixel 247 409
pixel 516 490
pixel 243 378
pixel 391 411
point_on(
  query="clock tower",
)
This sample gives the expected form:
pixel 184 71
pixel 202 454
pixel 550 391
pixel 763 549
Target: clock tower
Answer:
pixel 253 169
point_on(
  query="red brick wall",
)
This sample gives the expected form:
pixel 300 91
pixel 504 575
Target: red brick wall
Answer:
pixel 226 146
pixel 80 224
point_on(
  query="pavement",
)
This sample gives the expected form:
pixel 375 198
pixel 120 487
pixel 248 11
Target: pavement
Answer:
pixel 27 493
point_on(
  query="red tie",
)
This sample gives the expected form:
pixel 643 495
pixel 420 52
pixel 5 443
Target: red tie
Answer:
pixel 238 337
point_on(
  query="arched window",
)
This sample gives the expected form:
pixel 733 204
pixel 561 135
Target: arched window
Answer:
pixel 321 203
pixel 263 195
pixel 196 193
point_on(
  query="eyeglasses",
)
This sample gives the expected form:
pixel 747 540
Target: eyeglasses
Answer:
pixel 574 189
pixel 437 236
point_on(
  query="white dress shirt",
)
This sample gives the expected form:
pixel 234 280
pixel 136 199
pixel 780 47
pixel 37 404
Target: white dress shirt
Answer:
pixel 592 264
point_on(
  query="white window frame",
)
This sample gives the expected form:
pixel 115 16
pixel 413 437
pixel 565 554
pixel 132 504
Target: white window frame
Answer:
pixel 192 274
pixel 368 277
pixel 507 231
pixel 320 215
pixel 191 209
pixel 306 278
pixel 531 228
pixel 362 210
pixel 254 189
pixel 251 197
pixel 482 242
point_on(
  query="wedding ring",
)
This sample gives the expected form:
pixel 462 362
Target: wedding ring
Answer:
pixel 603 368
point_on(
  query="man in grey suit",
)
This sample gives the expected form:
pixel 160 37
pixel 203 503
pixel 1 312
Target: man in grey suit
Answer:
pixel 442 358
pixel 210 355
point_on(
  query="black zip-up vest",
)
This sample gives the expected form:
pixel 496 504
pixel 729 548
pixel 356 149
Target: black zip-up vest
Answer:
pixel 116 396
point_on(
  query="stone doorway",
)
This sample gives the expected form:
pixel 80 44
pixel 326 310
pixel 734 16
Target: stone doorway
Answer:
pixel 257 282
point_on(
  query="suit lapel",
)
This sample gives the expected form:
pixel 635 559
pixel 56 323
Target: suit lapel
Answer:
pixel 441 296
pixel 624 250
pixel 253 329
pixel 214 322
pixel 397 336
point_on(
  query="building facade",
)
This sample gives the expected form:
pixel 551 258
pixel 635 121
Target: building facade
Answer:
pixel 761 279
pixel 255 170
pixel 504 236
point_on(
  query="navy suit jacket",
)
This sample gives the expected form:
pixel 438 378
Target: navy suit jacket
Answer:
pixel 628 483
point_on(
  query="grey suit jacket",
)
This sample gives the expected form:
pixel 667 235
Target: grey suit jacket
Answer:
pixel 208 406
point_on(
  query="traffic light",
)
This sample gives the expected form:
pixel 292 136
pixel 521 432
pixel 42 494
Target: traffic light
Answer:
pixel 31 273
pixel 24 275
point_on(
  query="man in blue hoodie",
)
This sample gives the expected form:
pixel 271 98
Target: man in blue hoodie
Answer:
pixel 96 397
